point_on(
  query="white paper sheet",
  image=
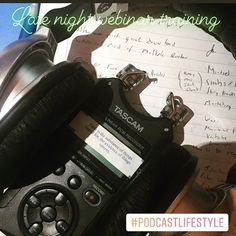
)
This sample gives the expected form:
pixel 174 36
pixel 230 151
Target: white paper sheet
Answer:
pixel 185 60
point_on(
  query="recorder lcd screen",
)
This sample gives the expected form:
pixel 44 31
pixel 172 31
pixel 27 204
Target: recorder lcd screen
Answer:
pixel 109 150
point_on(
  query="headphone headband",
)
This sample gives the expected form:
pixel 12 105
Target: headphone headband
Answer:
pixel 16 55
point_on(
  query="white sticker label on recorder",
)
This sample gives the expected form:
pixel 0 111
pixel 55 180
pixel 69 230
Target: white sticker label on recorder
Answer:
pixel 105 144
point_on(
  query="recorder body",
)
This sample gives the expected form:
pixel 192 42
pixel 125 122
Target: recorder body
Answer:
pixel 107 145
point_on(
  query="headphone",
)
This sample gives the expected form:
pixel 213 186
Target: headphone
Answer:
pixel 44 95
pixel 50 94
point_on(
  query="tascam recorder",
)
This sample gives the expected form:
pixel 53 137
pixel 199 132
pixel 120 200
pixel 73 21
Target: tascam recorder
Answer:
pixel 106 145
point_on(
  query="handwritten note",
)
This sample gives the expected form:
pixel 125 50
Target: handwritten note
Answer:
pixel 185 60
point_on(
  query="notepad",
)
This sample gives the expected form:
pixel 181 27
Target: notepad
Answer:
pixel 183 59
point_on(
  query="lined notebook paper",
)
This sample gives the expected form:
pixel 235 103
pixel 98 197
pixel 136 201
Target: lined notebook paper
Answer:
pixel 183 59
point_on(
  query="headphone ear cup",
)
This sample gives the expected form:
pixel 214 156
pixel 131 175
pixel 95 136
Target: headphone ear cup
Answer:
pixel 60 92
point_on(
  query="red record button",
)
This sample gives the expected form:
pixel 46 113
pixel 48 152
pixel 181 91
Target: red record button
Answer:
pixel 92 197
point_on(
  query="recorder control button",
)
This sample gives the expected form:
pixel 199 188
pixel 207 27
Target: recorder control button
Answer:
pixel 74 182
pixel 49 211
pixel 60 170
pixel 35 229
pixel 92 197
pixel 33 202
pixel 62 226
pixel 48 214
pixel 60 199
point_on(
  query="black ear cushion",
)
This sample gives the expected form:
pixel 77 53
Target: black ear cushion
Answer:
pixel 34 118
